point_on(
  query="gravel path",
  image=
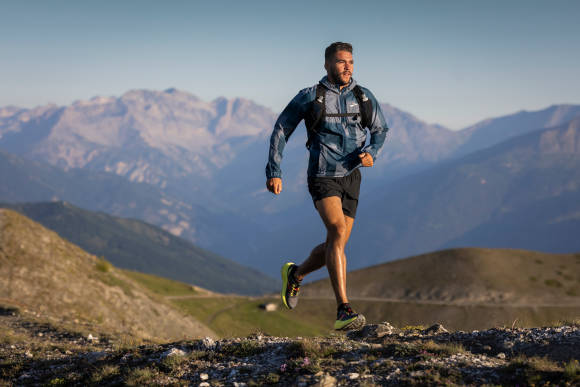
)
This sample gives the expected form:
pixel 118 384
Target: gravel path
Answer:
pixel 40 354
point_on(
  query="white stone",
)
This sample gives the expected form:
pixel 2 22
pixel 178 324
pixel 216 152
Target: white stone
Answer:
pixel 501 355
pixel 208 343
pixel 173 352
pixel 353 375
pixel 327 380
pixel 204 384
pixel 204 376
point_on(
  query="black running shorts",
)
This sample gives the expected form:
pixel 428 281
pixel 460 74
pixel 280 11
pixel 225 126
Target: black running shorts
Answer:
pixel 347 188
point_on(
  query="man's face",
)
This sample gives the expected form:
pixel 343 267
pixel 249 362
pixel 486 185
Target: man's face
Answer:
pixel 339 68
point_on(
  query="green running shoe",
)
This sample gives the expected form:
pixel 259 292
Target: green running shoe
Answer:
pixel 290 286
pixel 347 319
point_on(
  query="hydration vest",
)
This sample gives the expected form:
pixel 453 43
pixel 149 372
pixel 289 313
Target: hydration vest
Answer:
pixel 317 111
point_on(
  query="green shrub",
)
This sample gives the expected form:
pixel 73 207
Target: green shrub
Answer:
pixel 103 265
pixel 272 378
pixel 104 373
pixel 572 370
pixel 140 377
pixel 553 283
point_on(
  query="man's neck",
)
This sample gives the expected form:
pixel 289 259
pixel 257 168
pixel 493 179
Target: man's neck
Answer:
pixel 340 87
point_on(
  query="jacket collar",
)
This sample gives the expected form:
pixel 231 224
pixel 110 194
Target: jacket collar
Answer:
pixel 332 87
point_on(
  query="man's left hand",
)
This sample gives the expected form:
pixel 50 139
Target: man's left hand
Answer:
pixel 366 159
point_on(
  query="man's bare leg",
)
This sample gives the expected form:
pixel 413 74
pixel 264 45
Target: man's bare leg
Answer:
pixel 330 210
pixel 317 257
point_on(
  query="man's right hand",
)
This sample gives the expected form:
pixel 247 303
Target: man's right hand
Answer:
pixel 274 185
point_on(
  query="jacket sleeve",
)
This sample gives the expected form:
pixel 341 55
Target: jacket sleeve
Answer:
pixel 283 128
pixel 378 129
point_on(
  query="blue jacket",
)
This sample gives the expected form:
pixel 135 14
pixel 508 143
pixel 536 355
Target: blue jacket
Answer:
pixel 337 143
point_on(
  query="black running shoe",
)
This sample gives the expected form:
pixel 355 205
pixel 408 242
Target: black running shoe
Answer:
pixel 347 319
pixel 290 286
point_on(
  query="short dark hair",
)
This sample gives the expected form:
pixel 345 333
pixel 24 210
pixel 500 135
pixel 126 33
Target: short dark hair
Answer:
pixel 335 47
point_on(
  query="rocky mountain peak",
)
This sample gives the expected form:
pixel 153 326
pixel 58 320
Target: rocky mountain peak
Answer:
pixel 565 140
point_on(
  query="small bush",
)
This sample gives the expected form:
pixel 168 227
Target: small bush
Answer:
pixel 272 378
pixel 140 377
pixel 572 370
pixel 553 283
pixel 572 292
pixel 9 336
pixel 172 363
pixel 57 382
pixel 104 373
pixel 103 265
pixel 409 328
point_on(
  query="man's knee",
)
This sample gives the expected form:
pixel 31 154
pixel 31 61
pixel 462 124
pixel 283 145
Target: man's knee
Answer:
pixel 337 231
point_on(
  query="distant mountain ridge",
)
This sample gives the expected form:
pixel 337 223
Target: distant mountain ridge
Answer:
pixel 436 208
pixel 185 146
pixel 30 181
pixel 523 193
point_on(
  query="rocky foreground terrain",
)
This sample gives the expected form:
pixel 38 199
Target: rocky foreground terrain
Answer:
pixel 39 353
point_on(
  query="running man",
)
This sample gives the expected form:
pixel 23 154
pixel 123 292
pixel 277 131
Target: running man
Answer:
pixel 337 113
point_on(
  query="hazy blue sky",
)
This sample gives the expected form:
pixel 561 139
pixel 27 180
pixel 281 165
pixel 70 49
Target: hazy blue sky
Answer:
pixel 451 62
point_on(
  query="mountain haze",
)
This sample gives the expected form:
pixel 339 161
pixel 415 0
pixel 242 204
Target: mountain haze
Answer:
pixel 31 181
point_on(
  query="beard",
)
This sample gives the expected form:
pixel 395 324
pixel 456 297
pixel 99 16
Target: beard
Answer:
pixel 341 79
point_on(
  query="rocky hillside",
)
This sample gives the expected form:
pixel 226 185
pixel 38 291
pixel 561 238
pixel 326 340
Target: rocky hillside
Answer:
pixel 136 245
pixel 379 354
pixel 59 281
pixel 468 276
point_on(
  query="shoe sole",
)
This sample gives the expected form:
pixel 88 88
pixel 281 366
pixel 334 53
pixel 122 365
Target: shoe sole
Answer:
pixel 284 273
pixel 356 323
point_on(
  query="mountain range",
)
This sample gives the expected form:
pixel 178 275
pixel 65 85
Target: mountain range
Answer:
pixel 522 193
pixel 207 159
